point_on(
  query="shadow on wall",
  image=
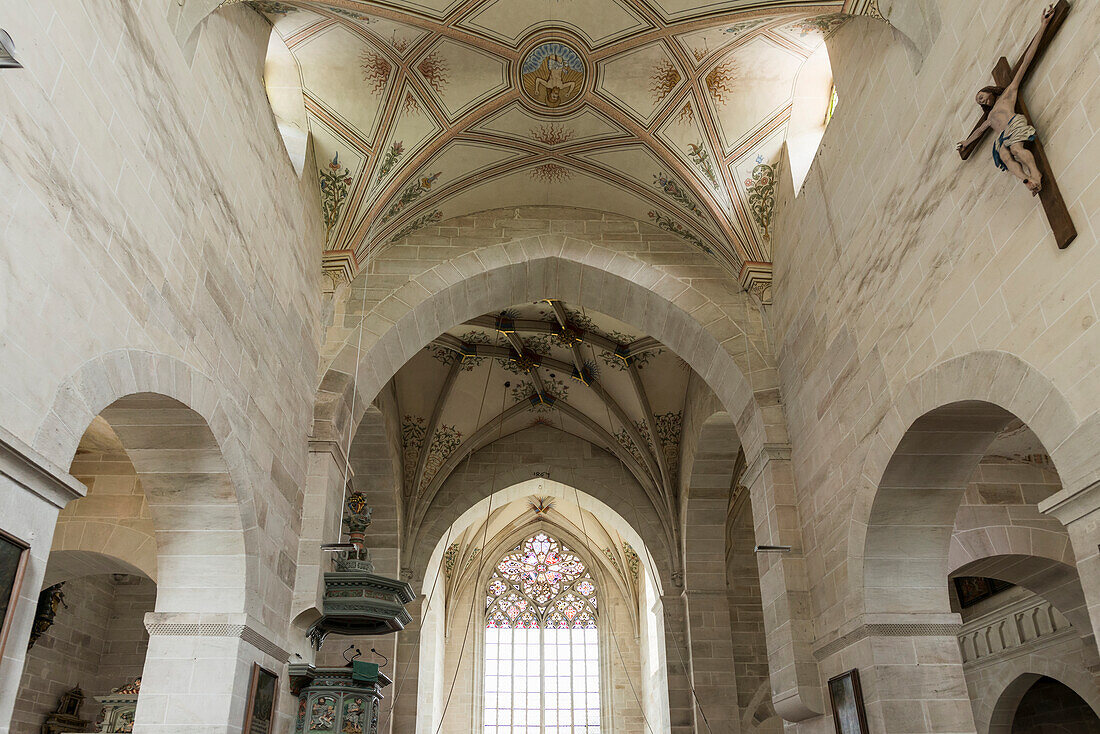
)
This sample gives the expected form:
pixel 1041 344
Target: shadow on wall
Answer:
pixel 1050 707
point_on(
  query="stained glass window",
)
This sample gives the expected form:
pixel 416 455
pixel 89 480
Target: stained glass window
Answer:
pixel 542 671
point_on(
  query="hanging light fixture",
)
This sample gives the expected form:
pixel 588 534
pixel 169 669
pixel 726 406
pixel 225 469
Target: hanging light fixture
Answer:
pixel 7 52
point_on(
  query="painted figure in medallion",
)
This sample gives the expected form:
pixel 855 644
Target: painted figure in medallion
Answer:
pixel 552 74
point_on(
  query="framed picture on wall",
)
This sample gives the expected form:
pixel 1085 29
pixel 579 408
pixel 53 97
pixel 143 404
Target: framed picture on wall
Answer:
pixel 846 696
pixel 13 561
pixel 259 714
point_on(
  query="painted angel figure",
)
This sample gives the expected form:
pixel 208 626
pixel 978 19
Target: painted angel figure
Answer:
pixel 555 86
pixel 1011 128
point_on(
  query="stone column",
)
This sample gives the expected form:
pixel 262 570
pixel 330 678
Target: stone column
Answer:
pixel 321 514
pixel 681 708
pixel 1080 513
pixel 406 691
pixel 32 491
pixel 706 604
pixel 710 642
pixel 910 669
pixel 197 672
pixel 784 585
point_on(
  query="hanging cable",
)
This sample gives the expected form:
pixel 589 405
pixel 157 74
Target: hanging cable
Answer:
pixel 676 638
pixel 428 599
pixel 354 394
pixel 481 564
pixel 610 626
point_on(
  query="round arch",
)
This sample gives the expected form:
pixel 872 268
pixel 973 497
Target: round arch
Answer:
pixel 957 401
pixel 669 309
pixel 181 437
pixel 65 565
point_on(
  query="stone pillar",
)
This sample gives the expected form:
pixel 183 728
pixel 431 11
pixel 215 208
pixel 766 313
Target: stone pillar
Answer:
pixel 1080 513
pixel 406 691
pixel 910 669
pixel 321 514
pixel 32 491
pixel 784 585
pixel 710 641
pixel 706 603
pixel 681 708
pixel 197 672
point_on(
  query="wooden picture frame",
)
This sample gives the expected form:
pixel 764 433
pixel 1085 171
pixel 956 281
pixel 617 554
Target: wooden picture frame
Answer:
pixel 846 697
pixel 263 691
pixel 13 564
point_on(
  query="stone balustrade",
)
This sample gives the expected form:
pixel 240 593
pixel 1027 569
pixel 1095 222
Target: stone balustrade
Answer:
pixel 1020 624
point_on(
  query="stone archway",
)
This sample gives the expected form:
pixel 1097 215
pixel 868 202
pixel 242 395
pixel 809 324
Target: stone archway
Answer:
pixel 995 712
pixel 916 472
pixel 183 442
pixel 691 323
pixel 1015 389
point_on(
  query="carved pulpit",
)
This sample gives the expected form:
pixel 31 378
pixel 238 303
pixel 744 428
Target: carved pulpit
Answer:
pixel 343 700
pixel 119 708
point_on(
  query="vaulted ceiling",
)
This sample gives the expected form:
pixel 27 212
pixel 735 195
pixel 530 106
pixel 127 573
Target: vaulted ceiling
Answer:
pixel 542 364
pixel 667 111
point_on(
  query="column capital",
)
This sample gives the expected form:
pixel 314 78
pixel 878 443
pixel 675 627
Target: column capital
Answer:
pixel 768 453
pixel 1069 506
pixel 213 625
pixel 37 474
pixel 333 448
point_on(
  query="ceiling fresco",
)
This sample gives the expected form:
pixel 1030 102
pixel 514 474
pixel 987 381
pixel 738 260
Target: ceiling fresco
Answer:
pixel 667 111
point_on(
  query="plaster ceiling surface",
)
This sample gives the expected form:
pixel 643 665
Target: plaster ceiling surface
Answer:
pixel 542 364
pixel 666 111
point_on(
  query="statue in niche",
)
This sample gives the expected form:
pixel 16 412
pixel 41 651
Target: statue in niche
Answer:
pixel 1010 127
pixel 49 600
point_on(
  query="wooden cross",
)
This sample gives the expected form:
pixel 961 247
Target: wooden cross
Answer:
pixel 1053 203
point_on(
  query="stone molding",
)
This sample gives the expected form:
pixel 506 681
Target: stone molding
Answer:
pixel 1068 507
pixel 334 449
pixel 768 452
pixel 37 474
pixel 155 626
pixel 902 629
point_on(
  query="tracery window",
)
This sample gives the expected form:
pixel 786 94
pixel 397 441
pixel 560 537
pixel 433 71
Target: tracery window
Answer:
pixel 541 643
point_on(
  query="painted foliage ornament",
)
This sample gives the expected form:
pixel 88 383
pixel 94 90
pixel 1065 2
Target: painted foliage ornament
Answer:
pixel 552 74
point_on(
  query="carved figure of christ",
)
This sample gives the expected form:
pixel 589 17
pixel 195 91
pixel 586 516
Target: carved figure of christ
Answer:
pixel 1007 116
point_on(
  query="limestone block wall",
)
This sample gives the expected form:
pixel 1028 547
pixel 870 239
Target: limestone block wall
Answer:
pixel 1008 642
pixel 896 257
pixel 111 525
pixel 150 210
pixel 98 643
pixel 432 246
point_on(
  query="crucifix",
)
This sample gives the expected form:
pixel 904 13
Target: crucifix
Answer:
pixel 1007 116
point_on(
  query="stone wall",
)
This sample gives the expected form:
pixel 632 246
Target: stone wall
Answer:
pixel 162 220
pixel 97 643
pixel 155 237
pixel 896 257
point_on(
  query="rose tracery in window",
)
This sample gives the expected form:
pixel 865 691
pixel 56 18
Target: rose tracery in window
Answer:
pixel 541 584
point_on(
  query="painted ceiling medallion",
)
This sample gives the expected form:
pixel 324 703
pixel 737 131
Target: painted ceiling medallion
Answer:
pixel 553 74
